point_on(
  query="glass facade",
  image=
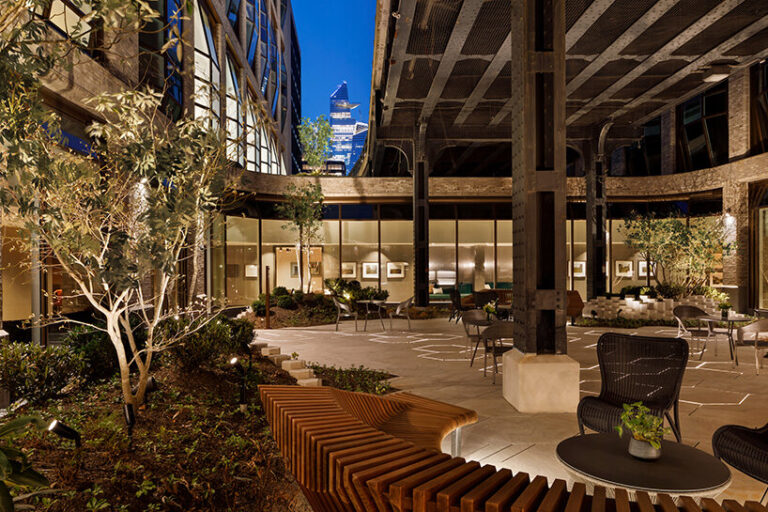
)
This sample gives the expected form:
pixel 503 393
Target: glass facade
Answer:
pixel 373 244
pixel 348 134
pixel 207 69
pixel 234 113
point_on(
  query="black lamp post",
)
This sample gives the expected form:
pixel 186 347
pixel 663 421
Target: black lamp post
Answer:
pixel 65 431
pixel 235 363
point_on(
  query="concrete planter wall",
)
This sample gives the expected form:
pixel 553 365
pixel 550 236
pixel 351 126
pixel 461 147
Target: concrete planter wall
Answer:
pixel 644 308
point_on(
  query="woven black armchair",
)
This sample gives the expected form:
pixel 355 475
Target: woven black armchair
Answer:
pixel 746 449
pixel 635 369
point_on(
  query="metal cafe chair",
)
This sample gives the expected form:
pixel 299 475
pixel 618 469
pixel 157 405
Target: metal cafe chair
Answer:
pixel 492 342
pixel 760 343
pixel 401 311
pixel 343 311
pixel 473 320
pixel 635 369
pixel 699 332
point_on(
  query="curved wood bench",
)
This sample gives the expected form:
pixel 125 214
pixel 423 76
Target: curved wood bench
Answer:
pixel 365 453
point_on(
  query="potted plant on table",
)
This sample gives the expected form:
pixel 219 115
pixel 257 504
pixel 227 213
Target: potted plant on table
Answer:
pixel 647 431
pixel 724 308
pixel 490 309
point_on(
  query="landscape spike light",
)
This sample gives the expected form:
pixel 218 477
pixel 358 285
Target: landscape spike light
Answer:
pixel 152 386
pixel 65 431
pixel 130 421
pixel 235 363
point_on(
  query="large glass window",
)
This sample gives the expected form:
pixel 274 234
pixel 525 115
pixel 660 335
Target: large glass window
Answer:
pixel 70 19
pixel 504 254
pixel 397 258
pixel 243 272
pixel 579 264
pixel 360 251
pixel 207 69
pixel 762 271
pixel 330 243
pixel 279 254
pixel 219 260
pixel 442 258
pixel 234 113
pixel 703 129
pixel 233 8
pixel 251 32
pixel 476 262
pixel 252 137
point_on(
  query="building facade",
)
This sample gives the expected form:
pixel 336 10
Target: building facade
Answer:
pixel 348 134
pixel 236 64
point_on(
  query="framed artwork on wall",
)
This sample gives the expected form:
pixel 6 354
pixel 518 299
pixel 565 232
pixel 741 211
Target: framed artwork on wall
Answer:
pixel 314 267
pixel 396 269
pixel 251 271
pixel 624 268
pixel 642 268
pixel 349 269
pixel 294 269
pixel 370 270
pixel 579 269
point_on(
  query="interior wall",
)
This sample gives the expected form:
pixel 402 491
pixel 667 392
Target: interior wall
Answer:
pixel 17 282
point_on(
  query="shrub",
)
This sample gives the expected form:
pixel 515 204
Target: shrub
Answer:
pixel 36 373
pixel 631 290
pixel 259 307
pixel 670 290
pixel 298 296
pixel 286 302
pixel 280 291
pixel 204 345
pixel 96 350
pixel 354 379
pixel 242 333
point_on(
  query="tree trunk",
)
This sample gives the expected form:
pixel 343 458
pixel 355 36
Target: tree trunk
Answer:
pixel 301 257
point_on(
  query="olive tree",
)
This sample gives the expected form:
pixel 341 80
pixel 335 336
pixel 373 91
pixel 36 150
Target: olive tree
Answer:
pixel 315 137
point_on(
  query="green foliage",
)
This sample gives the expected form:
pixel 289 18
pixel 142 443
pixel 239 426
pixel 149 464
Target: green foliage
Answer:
pixel 280 291
pixel 670 291
pixel 315 137
pixel 96 350
pixel 241 330
pixel 354 379
pixel 685 253
pixel 204 345
pixel 286 302
pixel 15 470
pixel 642 425
pixel 259 307
pixel 351 291
pixel 37 373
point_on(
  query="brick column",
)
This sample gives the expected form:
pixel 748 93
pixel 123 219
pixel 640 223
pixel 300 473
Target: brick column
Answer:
pixel 736 264
pixel 538 171
pixel 738 114
pixel 669 141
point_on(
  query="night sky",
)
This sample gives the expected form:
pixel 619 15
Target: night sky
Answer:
pixel 336 41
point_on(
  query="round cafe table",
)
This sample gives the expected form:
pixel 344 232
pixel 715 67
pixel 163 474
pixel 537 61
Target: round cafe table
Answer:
pixel 603 459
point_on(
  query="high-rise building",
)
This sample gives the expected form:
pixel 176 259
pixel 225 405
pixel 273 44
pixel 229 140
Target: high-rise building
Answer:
pixel 347 132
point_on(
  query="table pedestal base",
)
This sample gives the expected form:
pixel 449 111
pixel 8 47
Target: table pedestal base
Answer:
pixel 541 383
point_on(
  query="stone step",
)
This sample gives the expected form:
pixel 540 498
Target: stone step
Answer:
pixel 278 359
pixel 257 346
pixel 294 364
pixel 270 351
pixel 313 383
pixel 303 373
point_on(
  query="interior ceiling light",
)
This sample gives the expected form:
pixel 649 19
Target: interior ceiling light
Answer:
pixel 716 73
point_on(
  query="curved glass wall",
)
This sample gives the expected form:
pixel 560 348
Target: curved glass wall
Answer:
pixel 207 70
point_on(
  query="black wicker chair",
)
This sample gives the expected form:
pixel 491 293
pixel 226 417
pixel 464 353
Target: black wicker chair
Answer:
pixel 746 449
pixel 635 369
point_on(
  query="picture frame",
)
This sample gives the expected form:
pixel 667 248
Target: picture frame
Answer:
pixel 314 268
pixel 642 268
pixel 624 268
pixel 370 270
pixel 579 269
pixel 396 269
pixel 252 271
pixel 349 270
pixel 294 269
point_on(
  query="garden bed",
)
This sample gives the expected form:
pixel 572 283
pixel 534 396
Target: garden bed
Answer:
pixel 192 448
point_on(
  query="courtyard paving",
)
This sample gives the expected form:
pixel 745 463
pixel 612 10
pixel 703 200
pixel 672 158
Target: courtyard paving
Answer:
pixel 432 360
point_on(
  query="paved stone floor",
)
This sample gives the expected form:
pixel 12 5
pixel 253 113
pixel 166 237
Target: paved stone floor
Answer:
pixel 432 360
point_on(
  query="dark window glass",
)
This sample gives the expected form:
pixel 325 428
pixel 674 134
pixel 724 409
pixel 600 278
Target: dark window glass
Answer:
pixel 358 211
pixel 703 129
pixel 232 9
pixel 397 212
pixel 330 211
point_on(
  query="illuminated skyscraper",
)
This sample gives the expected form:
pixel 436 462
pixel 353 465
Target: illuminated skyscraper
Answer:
pixel 347 132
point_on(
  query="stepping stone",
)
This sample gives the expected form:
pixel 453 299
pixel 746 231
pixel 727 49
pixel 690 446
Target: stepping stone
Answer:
pixel 278 359
pixel 303 373
pixel 312 383
pixel 270 351
pixel 293 364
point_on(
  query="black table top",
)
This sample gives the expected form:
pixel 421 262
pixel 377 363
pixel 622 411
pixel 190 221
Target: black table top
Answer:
pixel 680 470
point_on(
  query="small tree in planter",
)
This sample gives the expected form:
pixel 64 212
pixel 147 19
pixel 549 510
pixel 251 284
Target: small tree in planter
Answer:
pixel 315 137
pixel 115 221
pixel 685 254
pixel 303 207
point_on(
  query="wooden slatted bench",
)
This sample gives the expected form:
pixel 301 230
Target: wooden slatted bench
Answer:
pixel 365 453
